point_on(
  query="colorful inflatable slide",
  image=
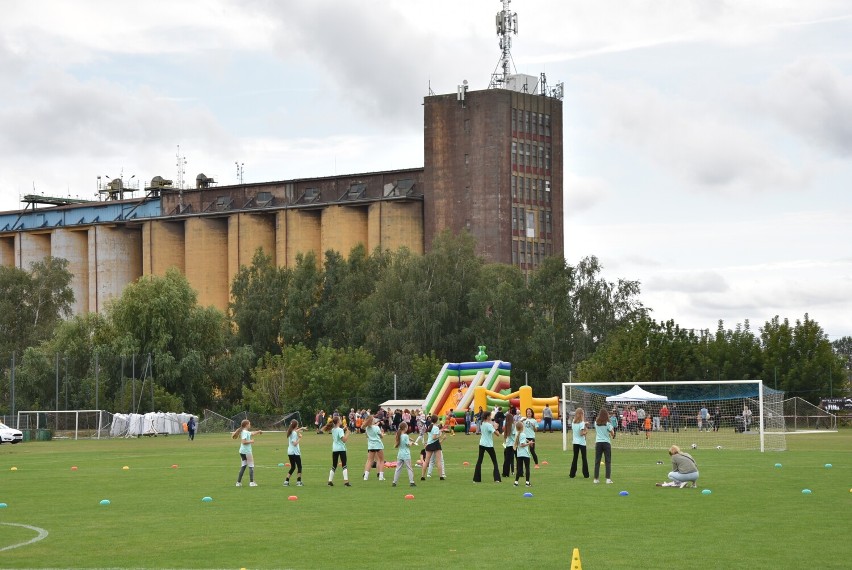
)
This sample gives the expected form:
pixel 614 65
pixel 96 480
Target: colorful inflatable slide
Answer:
pixel 454 387
pixel 471 385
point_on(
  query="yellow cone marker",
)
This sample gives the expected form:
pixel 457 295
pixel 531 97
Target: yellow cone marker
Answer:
pixel 575 560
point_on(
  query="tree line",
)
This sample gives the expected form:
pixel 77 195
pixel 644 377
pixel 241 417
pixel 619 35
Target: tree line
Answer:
pixel 348 331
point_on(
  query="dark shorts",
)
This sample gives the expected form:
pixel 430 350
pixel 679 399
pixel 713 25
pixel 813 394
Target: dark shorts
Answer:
pixel 434 446
pixel 374 450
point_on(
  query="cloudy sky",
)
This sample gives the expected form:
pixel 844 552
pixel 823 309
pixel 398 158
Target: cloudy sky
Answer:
pixel 708 142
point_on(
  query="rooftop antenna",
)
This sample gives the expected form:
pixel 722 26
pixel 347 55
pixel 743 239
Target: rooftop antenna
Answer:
pixel 507 24
pixel 462 92
pixel 181 168
pixel 240 171
pixel 181 171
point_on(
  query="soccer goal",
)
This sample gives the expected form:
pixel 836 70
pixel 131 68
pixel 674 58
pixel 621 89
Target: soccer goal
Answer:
pixel 800 416
pixel 66 424
pixel 723 414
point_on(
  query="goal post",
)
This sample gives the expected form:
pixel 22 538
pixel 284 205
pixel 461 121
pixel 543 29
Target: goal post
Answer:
pixel 71 424
pixel 722 414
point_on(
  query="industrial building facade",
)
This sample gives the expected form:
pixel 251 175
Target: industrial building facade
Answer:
pixel 493 167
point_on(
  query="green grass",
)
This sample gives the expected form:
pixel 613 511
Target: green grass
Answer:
pixel 756 516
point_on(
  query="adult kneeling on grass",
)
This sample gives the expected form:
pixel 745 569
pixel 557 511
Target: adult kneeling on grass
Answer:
pixel 684 469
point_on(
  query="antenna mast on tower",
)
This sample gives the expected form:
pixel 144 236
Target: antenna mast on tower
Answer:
pixel 181 172
pixel 507 24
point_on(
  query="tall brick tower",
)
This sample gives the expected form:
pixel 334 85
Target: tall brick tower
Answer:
pixel 493 163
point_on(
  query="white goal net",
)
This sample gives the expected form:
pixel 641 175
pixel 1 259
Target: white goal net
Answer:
pixel 725 414
pixel 65 424
pixel 802 416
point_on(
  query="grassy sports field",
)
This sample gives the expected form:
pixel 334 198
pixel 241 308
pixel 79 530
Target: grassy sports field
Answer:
pixel 755 517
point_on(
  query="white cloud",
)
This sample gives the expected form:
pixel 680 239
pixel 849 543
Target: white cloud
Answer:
pixel 693 282
pixel 582 193
pixel 577 30
pixel 813 99
pixel 707 147
pixel 85 30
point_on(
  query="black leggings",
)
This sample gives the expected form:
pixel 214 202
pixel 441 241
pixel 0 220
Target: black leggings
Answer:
pixel 508 460
pixel 579 450
pixel 341 455
pixel 523 467
pixel 604 449
pixel 295 465
pixel 532 449
pixel 477 473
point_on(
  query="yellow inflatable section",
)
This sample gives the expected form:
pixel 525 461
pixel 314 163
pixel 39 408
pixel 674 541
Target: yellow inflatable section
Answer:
pixel 485 399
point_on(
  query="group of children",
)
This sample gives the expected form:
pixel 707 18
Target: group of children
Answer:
pixel 518 434
pixel 518 442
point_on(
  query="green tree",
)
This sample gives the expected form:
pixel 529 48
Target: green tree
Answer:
pixel 303 380
pixel 258 294
pixel 498 317
pixel 804 359
pixel 573 310
pixel 733 354
pixel 300 320
pixel 33 302
pixel 843 349
pixel 160 316
pixel 346 284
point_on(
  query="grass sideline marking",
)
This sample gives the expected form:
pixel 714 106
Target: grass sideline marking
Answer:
pixel 41 534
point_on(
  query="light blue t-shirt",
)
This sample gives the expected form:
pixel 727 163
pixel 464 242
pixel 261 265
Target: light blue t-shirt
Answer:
pixel 529 427
pixel 486 439
pixel 374 437
pixel 293 444
pixel 523 451
pixel 510 440
pixel 434 434
pixel 404 450
pixel 245 437
pixel 577 430
pixel 337 443
pixel 602 433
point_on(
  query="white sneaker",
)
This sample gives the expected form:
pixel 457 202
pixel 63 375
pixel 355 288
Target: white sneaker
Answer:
pixel 366 476
pixel 668 484
pixel 596 481
pixel 609 481
pixel 239 484
pixel 299 484
pixel 683 484
pixel 286 483
pixel 252 484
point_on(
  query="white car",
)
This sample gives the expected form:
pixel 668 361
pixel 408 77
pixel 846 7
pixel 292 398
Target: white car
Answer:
pixel 10 435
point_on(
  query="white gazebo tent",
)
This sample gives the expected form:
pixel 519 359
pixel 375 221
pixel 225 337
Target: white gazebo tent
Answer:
pixel 636 394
